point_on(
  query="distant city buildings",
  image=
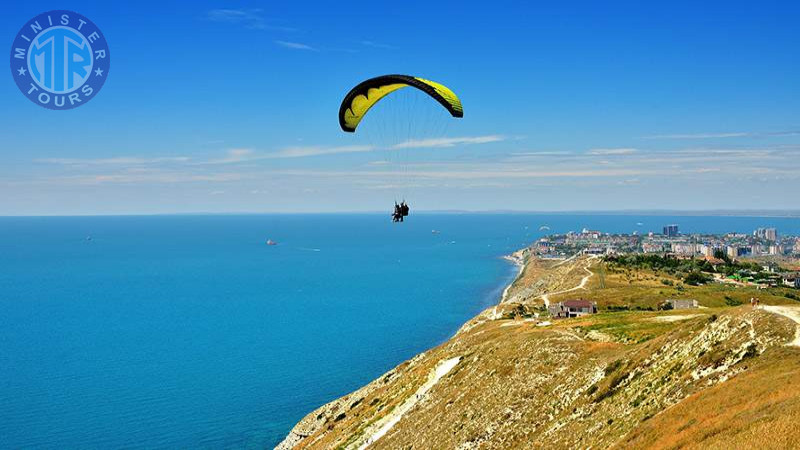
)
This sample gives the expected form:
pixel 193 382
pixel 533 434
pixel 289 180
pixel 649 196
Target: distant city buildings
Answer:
pixel 769 234
pixel 709 250
pixel 670 230
pixel 707 246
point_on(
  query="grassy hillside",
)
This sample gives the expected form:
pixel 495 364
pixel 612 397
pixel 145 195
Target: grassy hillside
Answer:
pixel 643 289
pixel 631 379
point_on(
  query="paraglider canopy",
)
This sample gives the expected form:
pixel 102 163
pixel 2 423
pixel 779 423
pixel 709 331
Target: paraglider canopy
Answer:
pixel 369 92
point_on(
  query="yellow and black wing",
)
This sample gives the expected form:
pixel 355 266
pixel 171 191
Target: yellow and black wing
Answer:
pixel 362 97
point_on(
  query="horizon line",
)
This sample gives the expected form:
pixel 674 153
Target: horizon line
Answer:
pixel 773 213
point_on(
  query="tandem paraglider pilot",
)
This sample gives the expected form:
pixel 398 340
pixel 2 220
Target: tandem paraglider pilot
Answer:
pixel 400 211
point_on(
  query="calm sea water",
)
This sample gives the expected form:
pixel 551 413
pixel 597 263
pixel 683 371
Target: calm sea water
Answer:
pixel 189 331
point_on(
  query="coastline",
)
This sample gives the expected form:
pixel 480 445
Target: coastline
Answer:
pixel 518 258
pixel 499 381
pixel 301 430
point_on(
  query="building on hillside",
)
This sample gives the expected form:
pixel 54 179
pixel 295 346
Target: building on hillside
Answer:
pixel 682 248
pixel 652 247
pixel 776 249
pixel 670 230
pixel 683 303
pixel 592 234
pixel 791 280
pixel 543 245
pixel 715 262
pixel 572 308
pixel 708 250
pixel 594 251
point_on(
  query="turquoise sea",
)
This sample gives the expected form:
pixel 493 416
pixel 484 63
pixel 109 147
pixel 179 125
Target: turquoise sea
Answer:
pixel 190 332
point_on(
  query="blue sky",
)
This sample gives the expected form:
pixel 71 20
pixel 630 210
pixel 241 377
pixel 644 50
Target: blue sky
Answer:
pixel 231 107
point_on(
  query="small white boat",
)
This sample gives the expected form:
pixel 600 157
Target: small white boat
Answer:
pixel 271 242
pixel 435 231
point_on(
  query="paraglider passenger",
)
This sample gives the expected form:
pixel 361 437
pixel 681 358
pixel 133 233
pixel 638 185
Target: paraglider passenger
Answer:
pixel 397 216
pixel 404 208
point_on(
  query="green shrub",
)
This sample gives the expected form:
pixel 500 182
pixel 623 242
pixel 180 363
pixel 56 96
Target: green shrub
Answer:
pixel 732 301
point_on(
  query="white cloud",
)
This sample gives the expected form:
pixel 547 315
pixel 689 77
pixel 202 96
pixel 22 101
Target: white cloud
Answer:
pixel 295 45
pixel 545 153
pixel 374 44
pixel 235 155
pixel 125 160
pixel 302 152
pixel 158 177
pixel 698 136
pixel 449 141
pixel 788 133
pixel 239 155
pixel 612 151
pixel 249 18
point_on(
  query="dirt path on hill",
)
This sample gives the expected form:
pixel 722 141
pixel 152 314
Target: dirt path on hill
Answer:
pixel 582 285
pixel 792 312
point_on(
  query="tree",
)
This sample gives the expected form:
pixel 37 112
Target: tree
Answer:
pixel 695 278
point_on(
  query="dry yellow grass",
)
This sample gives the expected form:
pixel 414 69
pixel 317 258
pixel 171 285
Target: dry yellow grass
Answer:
pixel 758 409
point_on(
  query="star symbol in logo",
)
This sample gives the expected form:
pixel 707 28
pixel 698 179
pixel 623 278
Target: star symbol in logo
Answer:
pixel 98 72
pixel 21 71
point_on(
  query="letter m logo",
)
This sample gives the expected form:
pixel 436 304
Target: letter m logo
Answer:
pixel 19 53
